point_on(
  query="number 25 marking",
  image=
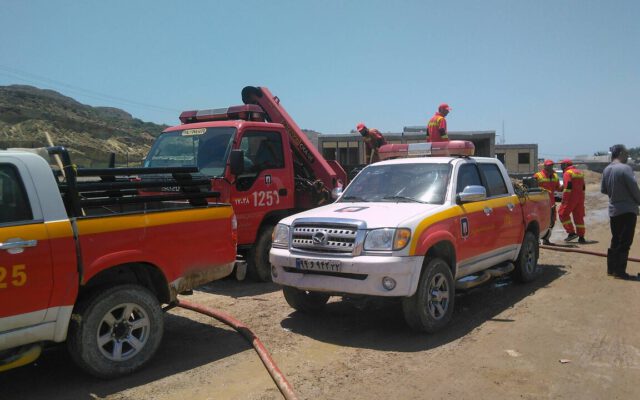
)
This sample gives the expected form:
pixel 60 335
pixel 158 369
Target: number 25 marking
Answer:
pixel 18 276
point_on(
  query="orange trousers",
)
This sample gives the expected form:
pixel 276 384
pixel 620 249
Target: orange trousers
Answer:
pixel 572 205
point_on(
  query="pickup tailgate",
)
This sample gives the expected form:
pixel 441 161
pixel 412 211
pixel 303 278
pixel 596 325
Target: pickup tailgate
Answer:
pixel 536 207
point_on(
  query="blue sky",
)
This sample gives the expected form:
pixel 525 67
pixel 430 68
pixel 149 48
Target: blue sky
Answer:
pixel 563 74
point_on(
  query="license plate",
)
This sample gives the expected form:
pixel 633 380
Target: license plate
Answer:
pixel 318 265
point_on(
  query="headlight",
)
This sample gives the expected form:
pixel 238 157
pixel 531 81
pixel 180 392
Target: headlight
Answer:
pixel 280 236
pixel 387 239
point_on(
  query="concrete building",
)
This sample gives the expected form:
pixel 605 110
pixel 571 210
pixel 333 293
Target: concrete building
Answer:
pixel 518 158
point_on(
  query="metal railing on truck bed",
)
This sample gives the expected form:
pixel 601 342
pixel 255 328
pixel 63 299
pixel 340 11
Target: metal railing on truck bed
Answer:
pixel 117 190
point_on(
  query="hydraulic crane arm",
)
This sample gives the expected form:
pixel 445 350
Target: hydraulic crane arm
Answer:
pixel 329 172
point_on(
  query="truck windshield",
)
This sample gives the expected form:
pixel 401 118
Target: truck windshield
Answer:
pixel 205 148
pixel 424 183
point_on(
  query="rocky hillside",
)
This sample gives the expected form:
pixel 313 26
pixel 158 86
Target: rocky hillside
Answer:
pixel 90 133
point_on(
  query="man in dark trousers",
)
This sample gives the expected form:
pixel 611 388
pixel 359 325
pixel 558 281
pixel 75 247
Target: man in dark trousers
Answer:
pixel 619 183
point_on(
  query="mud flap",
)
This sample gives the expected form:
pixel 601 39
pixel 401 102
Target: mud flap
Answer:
pixel 241 270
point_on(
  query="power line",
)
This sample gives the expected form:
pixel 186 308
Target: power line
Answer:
pixel 37 79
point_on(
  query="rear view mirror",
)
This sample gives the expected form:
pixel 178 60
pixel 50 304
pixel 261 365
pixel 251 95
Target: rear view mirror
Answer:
pixel 236 162
pixel 472 193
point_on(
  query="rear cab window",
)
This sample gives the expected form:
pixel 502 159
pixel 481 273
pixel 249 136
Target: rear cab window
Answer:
pixel 14 203
pixel 495 184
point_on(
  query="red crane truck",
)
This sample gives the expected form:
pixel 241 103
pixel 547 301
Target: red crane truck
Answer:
pixel 259 160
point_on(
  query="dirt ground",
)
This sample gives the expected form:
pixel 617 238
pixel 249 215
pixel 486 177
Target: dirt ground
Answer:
pixel 505 342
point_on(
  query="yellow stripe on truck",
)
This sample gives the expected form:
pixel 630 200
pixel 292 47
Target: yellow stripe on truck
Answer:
pixel 430 220
pixel 458 211
pixel 117 223
pixel 53 230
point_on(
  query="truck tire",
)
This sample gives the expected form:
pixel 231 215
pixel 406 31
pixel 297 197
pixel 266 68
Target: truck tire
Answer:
pixel 115 331
pixel 431 307
pixel 258 267
pixel 527 263
pixel 304 300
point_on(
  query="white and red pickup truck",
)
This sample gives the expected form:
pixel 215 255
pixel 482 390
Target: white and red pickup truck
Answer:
pixel 413 228
pixel 92 262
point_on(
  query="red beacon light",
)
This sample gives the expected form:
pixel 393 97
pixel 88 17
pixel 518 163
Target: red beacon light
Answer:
pixel 247 112
pixel 434 149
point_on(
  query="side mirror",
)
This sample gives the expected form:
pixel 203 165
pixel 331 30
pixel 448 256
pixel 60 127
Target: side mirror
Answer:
pixel 236 162
pixel 336 192
pixel 472 193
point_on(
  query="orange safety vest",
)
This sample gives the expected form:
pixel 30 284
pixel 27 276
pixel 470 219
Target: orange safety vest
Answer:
pixel 573 180
pixel 549 183
pixel 374 139
pixel 437 129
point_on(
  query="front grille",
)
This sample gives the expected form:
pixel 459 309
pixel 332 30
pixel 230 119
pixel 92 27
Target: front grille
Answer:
pixel 324 238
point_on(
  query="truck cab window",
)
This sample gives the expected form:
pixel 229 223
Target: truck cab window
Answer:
pixel 468 176
pixel 14 204
pixel 262 150
pixel 495 183
pixel 205 148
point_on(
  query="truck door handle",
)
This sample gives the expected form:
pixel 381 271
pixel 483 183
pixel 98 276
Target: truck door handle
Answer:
pixel 510 206
pixel 282 192
pixel 488 210
pixel 17 245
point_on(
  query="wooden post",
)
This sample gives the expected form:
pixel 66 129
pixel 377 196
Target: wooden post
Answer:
pixel 55 156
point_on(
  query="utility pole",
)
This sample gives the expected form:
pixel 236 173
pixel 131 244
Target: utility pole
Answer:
pixel 504 134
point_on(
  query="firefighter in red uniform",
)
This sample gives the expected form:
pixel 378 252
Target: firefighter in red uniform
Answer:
pixel 373 138
pixel 572 202
pixel 437 126
pixel 548 180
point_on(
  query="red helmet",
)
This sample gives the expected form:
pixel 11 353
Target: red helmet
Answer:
pixel 360 126
pixel 548 162
pixel 566 161
pixel 444 106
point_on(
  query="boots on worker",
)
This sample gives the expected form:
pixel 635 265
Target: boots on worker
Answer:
pixel 570 237
pixel 582 240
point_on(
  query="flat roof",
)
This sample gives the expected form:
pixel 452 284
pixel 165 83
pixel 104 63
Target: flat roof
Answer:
pixel 411 134
pixel 516 146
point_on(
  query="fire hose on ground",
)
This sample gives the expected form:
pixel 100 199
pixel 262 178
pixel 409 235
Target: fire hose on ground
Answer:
pixel 572 250
pixel 278 377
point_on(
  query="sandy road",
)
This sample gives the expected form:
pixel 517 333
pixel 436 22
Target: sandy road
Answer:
pixel 505 341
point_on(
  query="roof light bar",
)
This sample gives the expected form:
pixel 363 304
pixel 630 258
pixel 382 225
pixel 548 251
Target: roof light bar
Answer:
pixel 247 112
pixel 433 149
